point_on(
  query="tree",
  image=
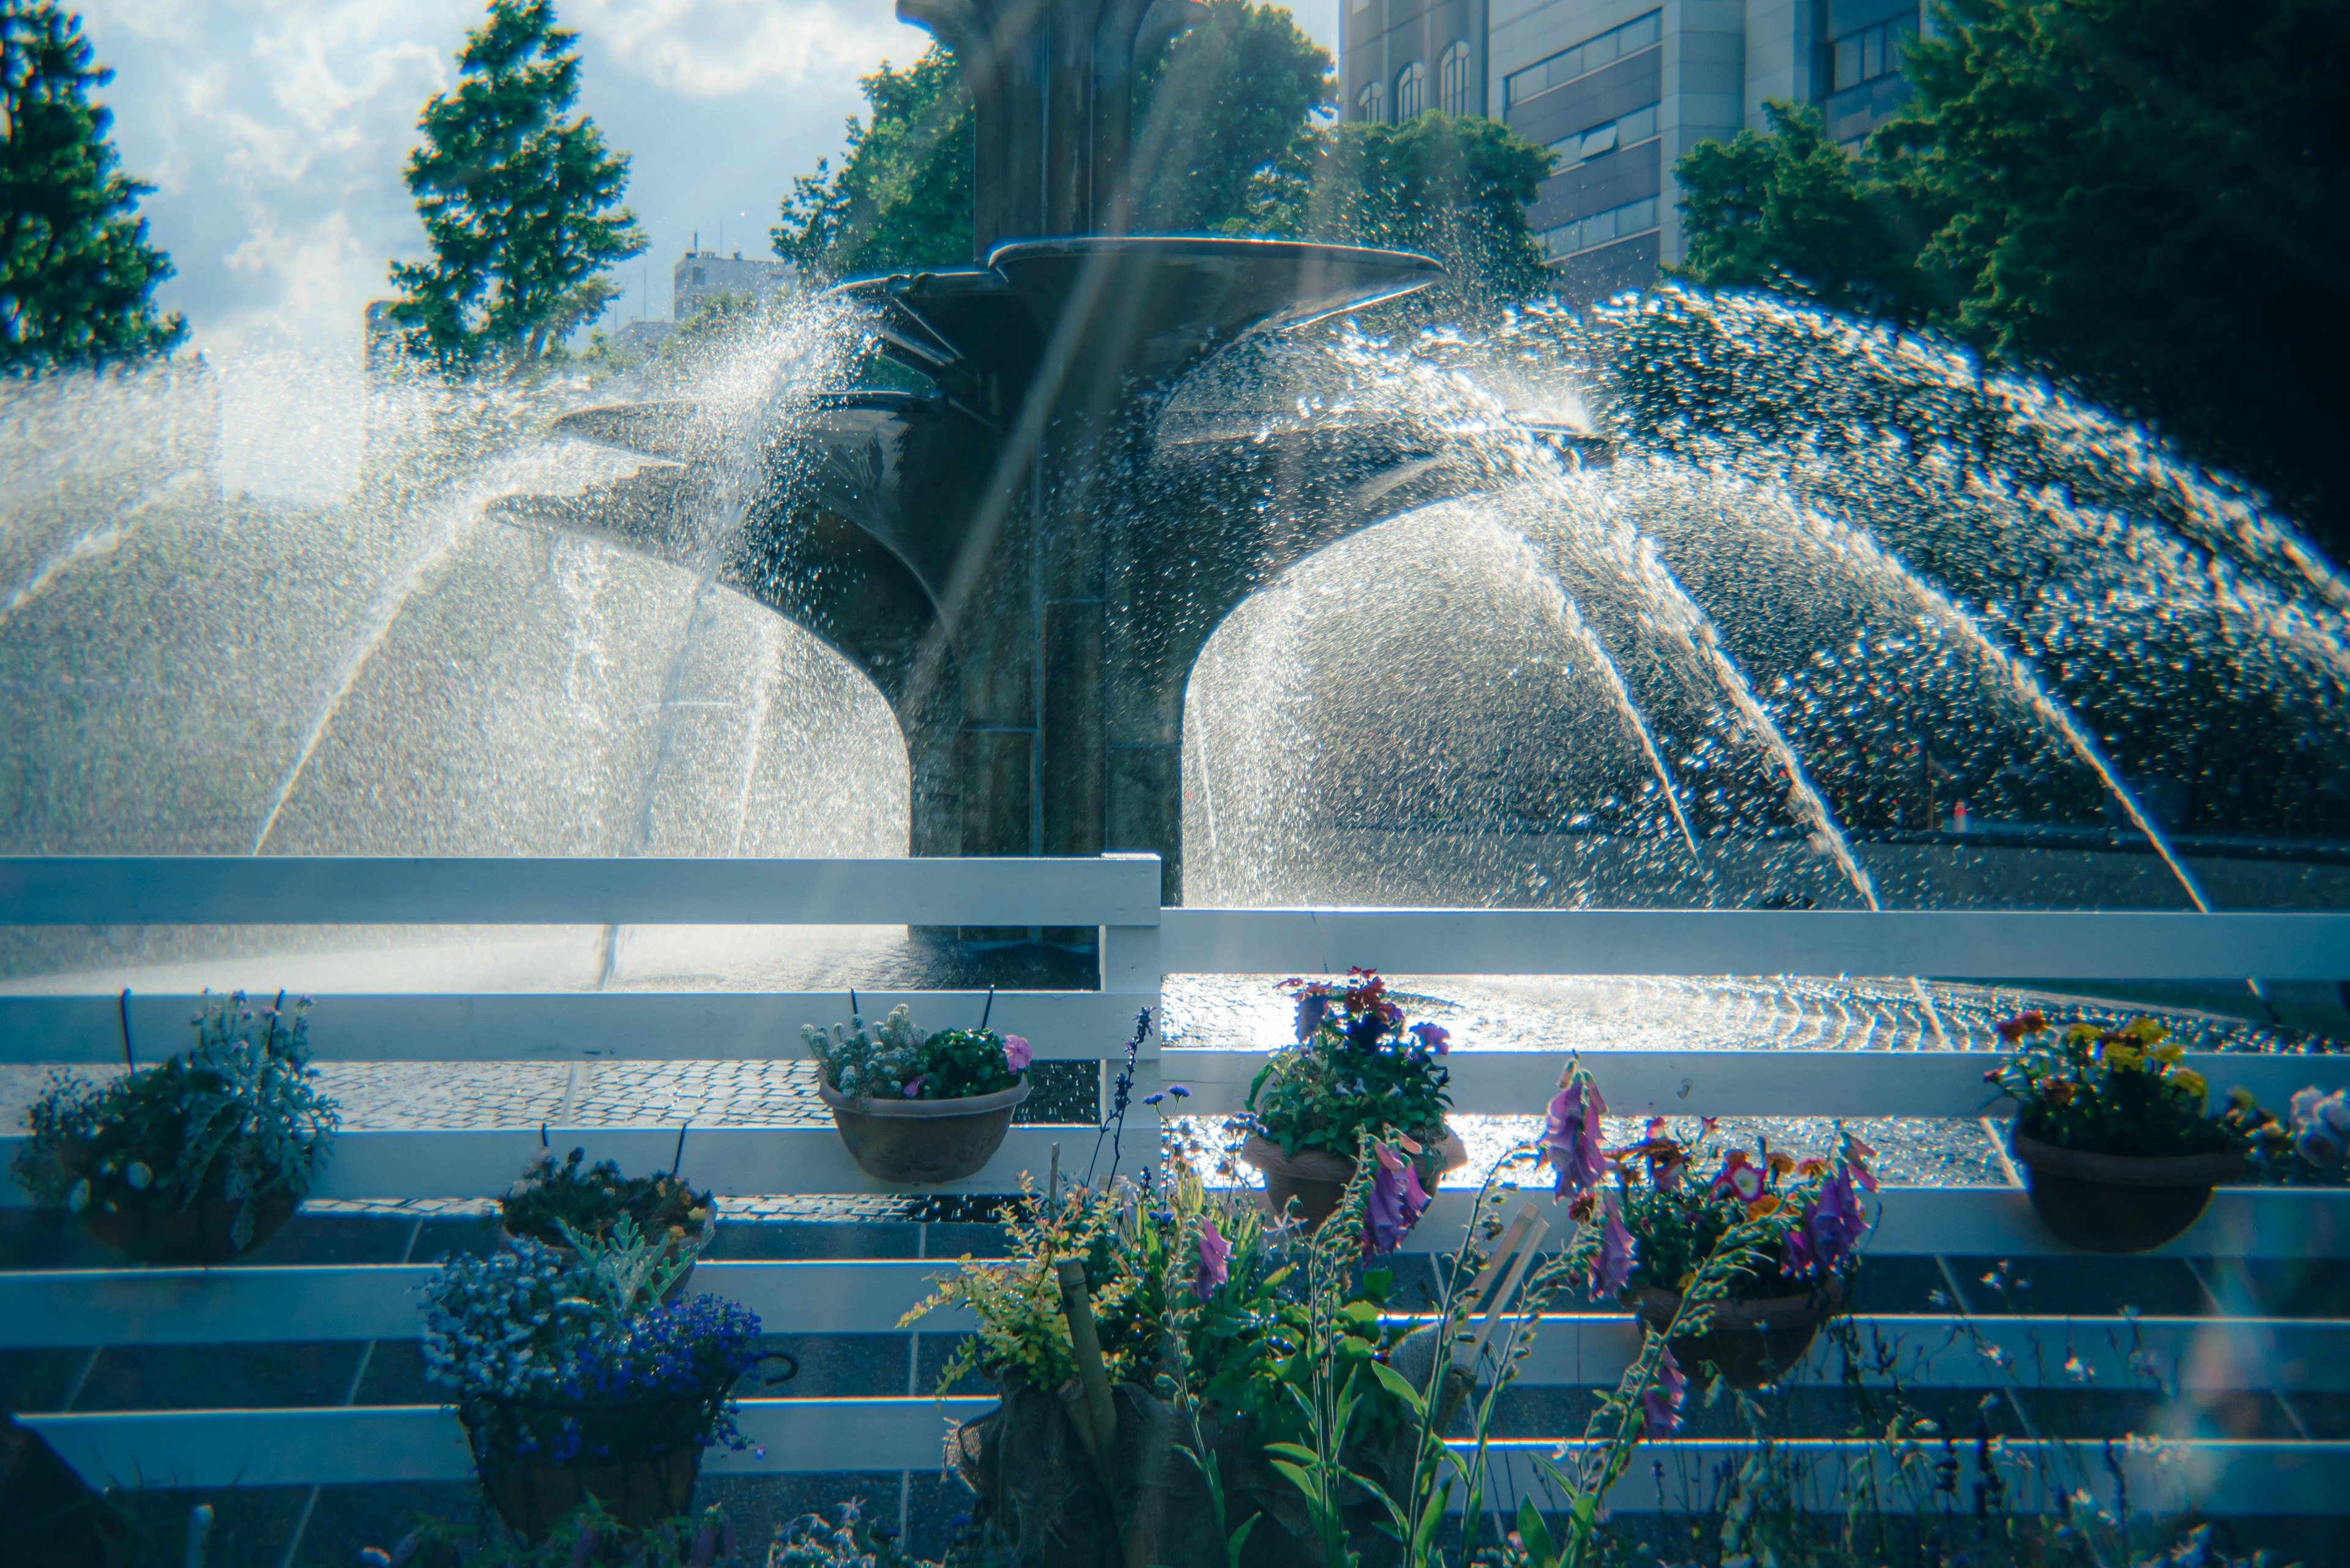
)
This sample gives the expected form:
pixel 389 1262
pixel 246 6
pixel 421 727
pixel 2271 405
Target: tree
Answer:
pixel 76 275
pixel 901 198
pixel 520 200
pixel 1218 104
pixel 2145 199
pixel 1793 211
pixel 1455 189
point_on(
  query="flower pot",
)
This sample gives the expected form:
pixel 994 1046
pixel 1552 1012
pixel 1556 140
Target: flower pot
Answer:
pixel 639 1458
pixel 1750 1341
pixel 1316 1181
pixel 914 1141
pixel 159 1230
pixel 2119 1202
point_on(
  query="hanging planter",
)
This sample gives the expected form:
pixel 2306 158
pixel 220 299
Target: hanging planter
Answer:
pixel 570 1387
pixel 197 1159
pixel 2116 1152
pixel 1356 1071
pixel 2119 1202
pixel 1782 1232
pixel 1313 1182
pixel 1750 1341
pixel 552 1204
pixel 916 1107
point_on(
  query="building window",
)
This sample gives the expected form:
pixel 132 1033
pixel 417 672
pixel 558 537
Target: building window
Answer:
pixel 1640 33
pixel 1872 52
pixel 1624 130
pixel 1411 91
pixel 1453 79
pixel 1601 228
pixel 1371 103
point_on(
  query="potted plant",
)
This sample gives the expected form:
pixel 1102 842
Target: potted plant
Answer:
pixel 2109 1127
pixel 1661 1207
pixel 1146 1350
pixel 552 1204
pixel 1355 1069
pixel 915 1107
pixel 575 1379
pixel 194 1159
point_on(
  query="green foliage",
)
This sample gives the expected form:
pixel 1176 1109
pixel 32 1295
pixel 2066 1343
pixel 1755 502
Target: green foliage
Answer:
pixel 1356 1071
pixel 1455 189
pixel 77 274
pixel 1217 105
pixel 238 1116
pixel 2144 199
pixel 901 1062
pixel 901 198
pixel 552 1200
pixel 1793 211
pixel 585 1534
pixel 2118 1091
pixel 520 201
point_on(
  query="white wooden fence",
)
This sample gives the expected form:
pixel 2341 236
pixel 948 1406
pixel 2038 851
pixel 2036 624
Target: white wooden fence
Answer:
pixel 1140 943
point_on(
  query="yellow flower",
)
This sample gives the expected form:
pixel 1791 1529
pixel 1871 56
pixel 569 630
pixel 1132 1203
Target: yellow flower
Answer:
pixel 2124 1056
pixel 2166 1055
pixel 2189 1080
pixel 2146 1031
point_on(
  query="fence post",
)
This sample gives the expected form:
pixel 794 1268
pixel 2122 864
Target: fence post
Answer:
pixel 1130 965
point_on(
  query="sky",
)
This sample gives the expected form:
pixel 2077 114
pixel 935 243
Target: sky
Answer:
pixel 273 131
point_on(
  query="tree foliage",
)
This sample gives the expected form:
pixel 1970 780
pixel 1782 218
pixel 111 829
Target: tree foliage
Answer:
pixel 1455 189
pixel 1225 142
pixel 520 200
pixel 2146 200
pixel 76 275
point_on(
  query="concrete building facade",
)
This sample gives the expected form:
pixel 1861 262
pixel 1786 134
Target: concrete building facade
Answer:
pixel 702 274
pixel 1620 89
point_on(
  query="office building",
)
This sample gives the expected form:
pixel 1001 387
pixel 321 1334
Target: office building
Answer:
pixel 1620 89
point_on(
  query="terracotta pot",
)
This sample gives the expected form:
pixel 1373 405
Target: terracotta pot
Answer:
pixel 1750 1341
pixel 1316 1181
pixel 640 1459
pixel 160 1232
pixel 916 1141
pixel 2118 1202
pixel 533 1498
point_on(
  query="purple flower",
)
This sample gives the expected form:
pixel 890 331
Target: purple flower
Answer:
pixel 914 1085
pixel 1432 1037
pixel 1571 1133
pixel 1395 1203
pixel 1660 1407
pixel 1215 1255
pixel 1833 1224
pixel 1017 1054
pixel 1179 1091
pixel 1612 1264
pixel 1152 1099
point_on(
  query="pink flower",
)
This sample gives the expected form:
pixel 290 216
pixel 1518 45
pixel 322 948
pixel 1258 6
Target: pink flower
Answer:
pixel 1432 1037
pixel 1571 1134
pixel 1739 1174
pixel 1215 1254
pixel 1612 1264
pixel 1660 1407
pixel 914 1085
pixel 1395 1203
pixel 1017 1054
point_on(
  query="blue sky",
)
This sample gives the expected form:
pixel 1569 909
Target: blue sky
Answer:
pixel 275 131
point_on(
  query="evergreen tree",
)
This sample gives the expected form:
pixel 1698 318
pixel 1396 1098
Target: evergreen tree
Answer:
pixel 520 200
pixel 77 274
pixel 2145 199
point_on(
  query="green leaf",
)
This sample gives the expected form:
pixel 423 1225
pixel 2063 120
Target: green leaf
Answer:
pixel 1535 1534
pixel 1239 1540
pixel 1394 1383
pixel 1297 1451
pixel 1299 1478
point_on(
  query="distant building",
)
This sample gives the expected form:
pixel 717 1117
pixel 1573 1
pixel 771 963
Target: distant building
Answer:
pixel 642 336
pixel 702 275
pixel 1620 89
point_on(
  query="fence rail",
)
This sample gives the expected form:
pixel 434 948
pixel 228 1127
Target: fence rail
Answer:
pixel 1139 944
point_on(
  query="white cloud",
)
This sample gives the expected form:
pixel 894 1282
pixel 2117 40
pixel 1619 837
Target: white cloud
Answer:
pixel 275 131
